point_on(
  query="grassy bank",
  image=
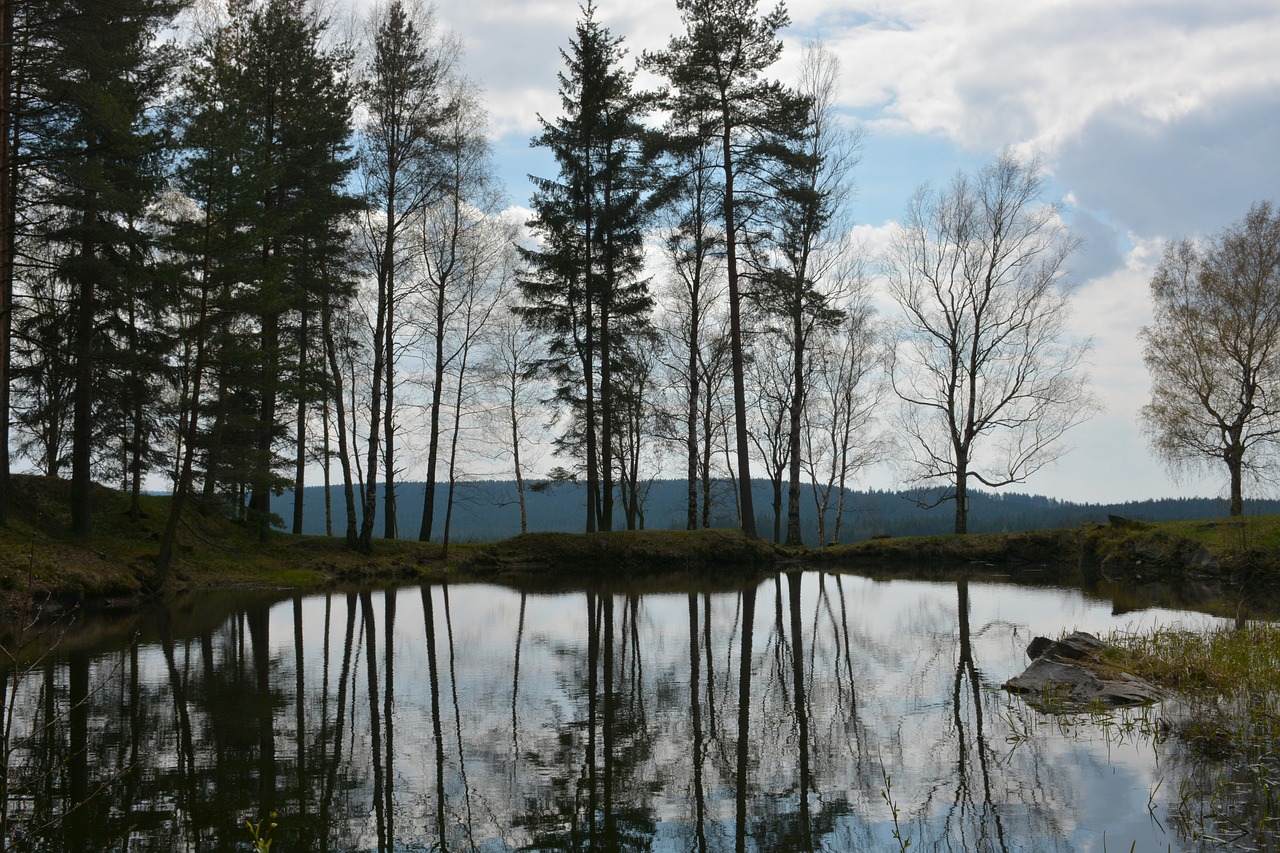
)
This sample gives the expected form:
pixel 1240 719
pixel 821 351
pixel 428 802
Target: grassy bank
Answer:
pixel 40 560
pixel 1227 714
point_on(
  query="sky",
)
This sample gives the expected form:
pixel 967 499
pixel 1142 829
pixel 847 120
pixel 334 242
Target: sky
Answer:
pixel 1153 119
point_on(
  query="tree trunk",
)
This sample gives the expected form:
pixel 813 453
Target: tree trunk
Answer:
pixel 300 429
pixel 326 439
pixel 746 507
pixel 453 452
pixel 606 413
pixel 213 451
pixel 775 483
pixel 691 417
pixel 1235 465
pixel 515 456
pixel 390 528
pixel 797 409
pixel 82 417
pixel 260 501
pixel 165 557
pixel 344 458
pixel 8 220
pixel 365 543
pixel 433 438
pixel 962 494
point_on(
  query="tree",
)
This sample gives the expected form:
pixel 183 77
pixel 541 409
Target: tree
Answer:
pixel 40 369
pixel 459 243
pixel 772 392
pixel 265 120
pixel 582 285
pixel 484 282
pixel 806 245
pixel 510 351
pixel 980 357
pixel 403 95
pixel 692 245
pixel 1213 350
pixel 101 149
pixel 715 69
pixel 268 119
pixel 8 220
pixel 846 393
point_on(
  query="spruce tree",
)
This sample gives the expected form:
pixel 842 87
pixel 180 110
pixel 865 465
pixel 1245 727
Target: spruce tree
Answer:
pixel 100 151
pixel 582 285
pixel 265 159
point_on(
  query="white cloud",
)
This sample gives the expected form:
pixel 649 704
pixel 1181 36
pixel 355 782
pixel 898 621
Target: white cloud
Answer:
pixel 1155 118
pixel 1163 115
pixel 513 48
pixel 996 72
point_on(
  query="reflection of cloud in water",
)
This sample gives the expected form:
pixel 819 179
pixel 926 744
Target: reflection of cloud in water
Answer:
pixel 620 723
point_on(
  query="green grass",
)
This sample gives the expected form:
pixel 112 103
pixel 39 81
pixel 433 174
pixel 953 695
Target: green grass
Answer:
pixel 1229 679
pixel 40 558
pixel 1227 713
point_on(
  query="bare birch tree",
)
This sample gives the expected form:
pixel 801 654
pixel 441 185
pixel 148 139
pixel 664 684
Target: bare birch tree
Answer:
pixel 1213 351
pixel 980 357
pixel 846 391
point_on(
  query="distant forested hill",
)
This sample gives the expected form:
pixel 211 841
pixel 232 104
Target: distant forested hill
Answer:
pixel 487 510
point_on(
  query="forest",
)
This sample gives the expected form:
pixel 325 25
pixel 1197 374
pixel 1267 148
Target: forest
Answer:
pixel 488 510
pixel 248 253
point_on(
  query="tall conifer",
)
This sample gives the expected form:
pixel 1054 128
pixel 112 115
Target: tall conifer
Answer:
pixel 582 285
pixel 100 151
pixel 715 70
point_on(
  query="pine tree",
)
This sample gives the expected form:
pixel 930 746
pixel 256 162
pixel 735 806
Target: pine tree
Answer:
pixel 714 70
pixel 266 161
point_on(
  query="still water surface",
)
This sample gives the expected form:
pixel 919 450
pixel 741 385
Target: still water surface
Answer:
pixel 475 717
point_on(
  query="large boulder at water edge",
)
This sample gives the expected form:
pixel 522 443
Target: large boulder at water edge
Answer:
pixel 1068 674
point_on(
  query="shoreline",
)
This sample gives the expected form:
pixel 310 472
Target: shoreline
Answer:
pixel 1226 562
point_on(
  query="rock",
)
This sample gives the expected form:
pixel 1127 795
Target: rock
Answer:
pixel 1074 646
pixel 1119 521
pixel 1066 674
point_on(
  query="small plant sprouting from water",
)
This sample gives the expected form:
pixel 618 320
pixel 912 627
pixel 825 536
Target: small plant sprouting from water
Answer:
pixel 886 793
pixel 1228 683
pixel 261 832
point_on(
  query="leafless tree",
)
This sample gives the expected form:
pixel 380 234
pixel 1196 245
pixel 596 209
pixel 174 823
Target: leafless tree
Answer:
pixel 846 391
pixel 407 69
pixel 806 247
pixel 1213 351
pixel 510 351
pixel 980 357
pixel 692 243
pixel 769 409
pixel 459 243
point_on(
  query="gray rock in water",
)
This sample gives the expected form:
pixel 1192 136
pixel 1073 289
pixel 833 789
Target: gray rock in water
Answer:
pixel 1065 674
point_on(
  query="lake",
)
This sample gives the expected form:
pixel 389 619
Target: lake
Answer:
pixel 815 711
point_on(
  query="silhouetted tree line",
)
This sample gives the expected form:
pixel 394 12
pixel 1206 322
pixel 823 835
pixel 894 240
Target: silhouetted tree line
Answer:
pixel 486 510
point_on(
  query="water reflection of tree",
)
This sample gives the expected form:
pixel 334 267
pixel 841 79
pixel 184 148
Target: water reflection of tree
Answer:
pixel 979 794
pixel 987 830
pixel 758 735
pixel 598 797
